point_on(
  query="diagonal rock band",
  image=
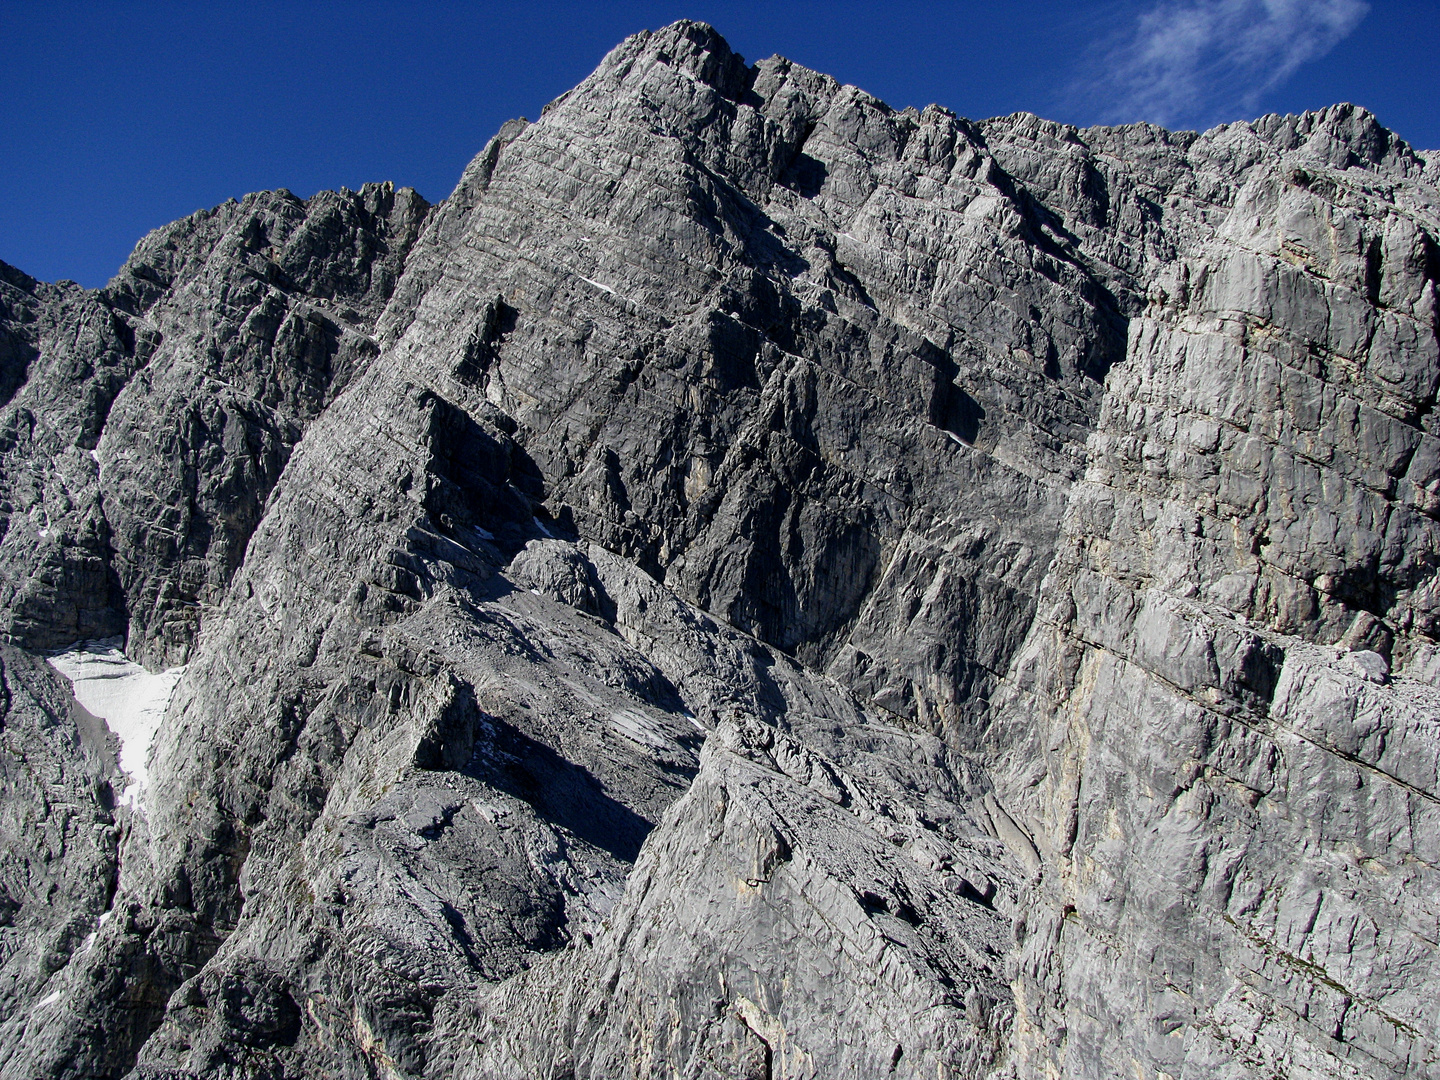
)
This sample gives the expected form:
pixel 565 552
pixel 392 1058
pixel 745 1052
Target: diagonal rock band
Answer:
pixel 753 584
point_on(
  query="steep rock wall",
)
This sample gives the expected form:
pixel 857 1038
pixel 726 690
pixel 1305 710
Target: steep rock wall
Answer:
pixel 1035 526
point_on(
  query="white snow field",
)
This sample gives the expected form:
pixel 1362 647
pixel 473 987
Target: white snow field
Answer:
pixel 128 698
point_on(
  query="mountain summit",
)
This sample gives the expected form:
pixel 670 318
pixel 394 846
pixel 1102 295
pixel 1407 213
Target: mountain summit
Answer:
pixel 754 584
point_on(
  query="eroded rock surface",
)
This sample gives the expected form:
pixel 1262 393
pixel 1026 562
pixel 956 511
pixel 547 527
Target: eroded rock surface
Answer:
pixel 754 584
pixel 152 417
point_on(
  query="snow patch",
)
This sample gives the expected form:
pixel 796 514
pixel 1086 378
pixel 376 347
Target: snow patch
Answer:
pixel 131 700
pixel 89 942
pixel 598 285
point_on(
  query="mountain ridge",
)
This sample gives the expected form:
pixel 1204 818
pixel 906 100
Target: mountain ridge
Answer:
pixel 751 585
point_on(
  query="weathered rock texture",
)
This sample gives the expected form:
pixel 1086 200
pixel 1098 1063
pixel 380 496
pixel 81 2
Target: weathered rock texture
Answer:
pixel 145 424
pixel 754 584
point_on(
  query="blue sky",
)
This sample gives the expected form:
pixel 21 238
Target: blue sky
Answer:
pixel 117 118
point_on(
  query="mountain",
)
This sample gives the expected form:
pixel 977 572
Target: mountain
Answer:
pixel 754 584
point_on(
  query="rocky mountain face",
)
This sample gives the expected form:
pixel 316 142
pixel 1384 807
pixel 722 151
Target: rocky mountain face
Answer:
pixel 753 585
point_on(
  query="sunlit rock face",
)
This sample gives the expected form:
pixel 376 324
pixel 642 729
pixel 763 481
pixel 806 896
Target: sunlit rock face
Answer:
pixel 754 584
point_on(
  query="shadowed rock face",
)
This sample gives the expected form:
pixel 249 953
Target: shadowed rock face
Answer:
pixel 152 417
pixel 754 584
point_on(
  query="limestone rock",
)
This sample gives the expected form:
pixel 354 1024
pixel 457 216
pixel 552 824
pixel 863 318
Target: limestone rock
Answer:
pixel 154 416
pixel 754 584
pixel 58 837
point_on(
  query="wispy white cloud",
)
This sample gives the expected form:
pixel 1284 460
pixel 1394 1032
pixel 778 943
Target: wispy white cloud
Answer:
pixel 1204 61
